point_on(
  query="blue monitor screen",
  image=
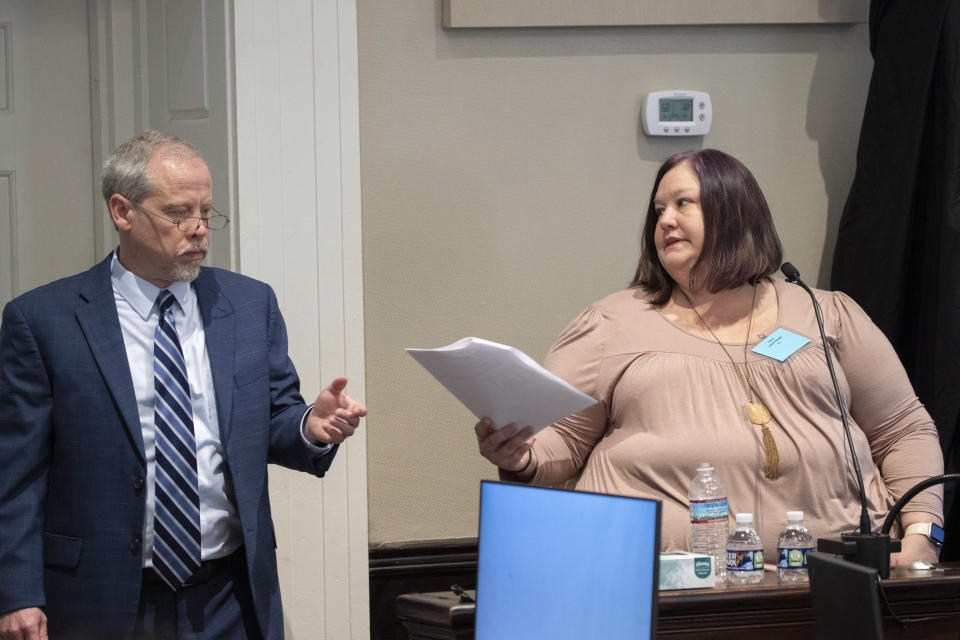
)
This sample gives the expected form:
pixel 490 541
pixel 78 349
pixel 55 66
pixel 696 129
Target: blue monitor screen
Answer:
pixel 565 564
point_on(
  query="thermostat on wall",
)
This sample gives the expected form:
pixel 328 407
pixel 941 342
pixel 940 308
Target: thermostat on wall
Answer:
pixel 677 113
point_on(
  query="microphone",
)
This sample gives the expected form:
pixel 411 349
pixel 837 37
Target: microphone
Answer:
pixel 865 548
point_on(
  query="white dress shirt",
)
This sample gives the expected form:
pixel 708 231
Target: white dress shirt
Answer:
pixel 136 305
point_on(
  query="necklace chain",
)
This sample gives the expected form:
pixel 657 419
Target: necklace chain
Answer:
pixel 757 413
pixel 747 383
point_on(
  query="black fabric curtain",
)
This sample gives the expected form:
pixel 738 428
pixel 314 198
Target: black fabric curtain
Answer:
pixel 898 245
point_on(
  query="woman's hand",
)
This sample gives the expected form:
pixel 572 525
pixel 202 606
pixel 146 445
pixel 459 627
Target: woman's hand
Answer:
pixel 508 447
pixel 915 547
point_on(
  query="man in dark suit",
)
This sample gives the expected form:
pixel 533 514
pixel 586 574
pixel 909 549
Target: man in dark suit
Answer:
pixel 140 403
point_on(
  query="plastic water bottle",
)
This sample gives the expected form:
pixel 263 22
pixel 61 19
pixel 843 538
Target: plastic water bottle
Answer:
pixel 744 552
pixel 792 547
pixel 708 518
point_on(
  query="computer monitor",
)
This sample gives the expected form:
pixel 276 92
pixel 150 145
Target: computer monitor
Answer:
pixel 846 604
pixel 566 564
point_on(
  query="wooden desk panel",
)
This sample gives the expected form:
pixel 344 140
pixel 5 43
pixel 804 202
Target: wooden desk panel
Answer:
pixel 764 610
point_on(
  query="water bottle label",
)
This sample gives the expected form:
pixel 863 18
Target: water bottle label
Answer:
pixel 793 558
pixel 745 560
pixel 708 510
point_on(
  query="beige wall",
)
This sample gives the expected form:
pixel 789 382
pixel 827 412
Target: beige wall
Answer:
pixel 504 177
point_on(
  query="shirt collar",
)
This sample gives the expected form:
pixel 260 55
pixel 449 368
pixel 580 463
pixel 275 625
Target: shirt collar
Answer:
pixel 140 294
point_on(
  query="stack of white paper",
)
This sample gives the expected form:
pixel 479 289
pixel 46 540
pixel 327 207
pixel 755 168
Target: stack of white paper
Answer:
pixel 501 382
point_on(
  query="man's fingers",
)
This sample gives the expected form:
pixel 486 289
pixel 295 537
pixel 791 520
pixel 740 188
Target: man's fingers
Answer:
pixel 335 438
pixel 351 406
pixel 29 623
pixel 349 416
pixel 344 427
pixel 338 385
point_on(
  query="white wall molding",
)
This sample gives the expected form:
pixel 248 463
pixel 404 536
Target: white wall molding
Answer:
pixel 9 284
pixel 6 67
pixel 621 13
pixel 185 60
pixel 298 206
pixel 116 102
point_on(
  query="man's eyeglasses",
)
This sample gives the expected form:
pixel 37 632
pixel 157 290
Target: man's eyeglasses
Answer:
pixel 189 223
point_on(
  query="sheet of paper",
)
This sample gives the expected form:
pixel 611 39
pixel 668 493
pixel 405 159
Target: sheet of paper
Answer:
pixel 501 382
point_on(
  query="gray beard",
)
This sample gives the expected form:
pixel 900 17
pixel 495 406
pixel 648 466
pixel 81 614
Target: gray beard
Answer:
pixel 185 272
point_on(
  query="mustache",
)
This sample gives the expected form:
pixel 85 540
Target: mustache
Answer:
pixel 199 246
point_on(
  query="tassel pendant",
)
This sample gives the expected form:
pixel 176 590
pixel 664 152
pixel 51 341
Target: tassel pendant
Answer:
pixel 771 457
pixel 759 415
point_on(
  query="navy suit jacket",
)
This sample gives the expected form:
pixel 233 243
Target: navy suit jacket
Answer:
pixel 72 469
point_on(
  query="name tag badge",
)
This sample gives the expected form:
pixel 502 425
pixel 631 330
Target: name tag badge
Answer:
pixel 780 345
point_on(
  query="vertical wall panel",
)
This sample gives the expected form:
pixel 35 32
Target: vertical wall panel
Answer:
pixel 298 186
pixel 186 46
pixel 185 55
pixel 115 100
pixel 8 237
pixel 6 75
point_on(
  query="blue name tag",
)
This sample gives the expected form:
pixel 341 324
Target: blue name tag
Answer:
pixel 780 345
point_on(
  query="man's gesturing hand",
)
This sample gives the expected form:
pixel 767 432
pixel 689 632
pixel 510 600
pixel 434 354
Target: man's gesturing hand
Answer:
pixel 335 416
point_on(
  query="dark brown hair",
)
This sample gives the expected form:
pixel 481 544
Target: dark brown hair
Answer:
pixel 740 243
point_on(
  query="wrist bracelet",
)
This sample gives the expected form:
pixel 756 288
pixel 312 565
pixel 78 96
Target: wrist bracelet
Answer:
pixel 529 461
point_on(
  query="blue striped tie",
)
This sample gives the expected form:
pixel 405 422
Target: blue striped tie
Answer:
pixel 176 541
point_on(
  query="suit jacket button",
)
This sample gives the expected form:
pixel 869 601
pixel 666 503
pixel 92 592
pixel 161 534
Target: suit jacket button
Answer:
pixel 138 484
pixel 135 544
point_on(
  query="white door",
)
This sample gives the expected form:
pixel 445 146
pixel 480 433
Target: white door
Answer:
pixel 188 93
pixel 47 212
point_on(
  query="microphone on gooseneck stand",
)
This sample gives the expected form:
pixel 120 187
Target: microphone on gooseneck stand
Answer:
pixel 865 548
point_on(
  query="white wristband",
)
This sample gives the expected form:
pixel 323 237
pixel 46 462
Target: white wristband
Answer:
pixel 928 529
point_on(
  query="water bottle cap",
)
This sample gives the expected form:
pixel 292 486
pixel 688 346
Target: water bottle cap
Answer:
pixel 794 516
pixel 705 466
pixel 744 518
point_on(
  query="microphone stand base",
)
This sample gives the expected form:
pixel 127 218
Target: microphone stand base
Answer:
pixel 867 549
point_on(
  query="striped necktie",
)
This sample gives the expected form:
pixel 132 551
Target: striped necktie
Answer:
pixel 176 541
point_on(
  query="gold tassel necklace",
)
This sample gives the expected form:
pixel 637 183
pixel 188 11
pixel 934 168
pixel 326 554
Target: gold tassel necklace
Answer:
pixel 757 413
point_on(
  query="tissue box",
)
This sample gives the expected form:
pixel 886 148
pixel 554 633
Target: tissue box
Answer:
pixel 681 570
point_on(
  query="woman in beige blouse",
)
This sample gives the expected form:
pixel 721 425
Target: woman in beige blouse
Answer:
pixel 670 362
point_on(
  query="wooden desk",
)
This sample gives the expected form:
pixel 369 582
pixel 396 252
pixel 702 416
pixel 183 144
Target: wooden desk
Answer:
pixel 765 610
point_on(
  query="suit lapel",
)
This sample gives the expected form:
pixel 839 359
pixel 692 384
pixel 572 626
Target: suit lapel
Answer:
pixel 101 326
pixel 219 321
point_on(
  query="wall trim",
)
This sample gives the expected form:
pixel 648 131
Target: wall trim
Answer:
pixel 459 14
pixel 115 100
pixel 6 64
pixel 297 134
pixel 11 289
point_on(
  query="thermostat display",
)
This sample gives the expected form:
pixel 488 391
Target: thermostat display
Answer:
pixel 677 113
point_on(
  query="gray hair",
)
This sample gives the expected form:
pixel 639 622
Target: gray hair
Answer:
pixel 125 171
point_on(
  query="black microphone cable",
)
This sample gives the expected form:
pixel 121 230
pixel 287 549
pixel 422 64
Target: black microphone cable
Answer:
pixel 888 523
pixel 914 490
pixel 793 277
